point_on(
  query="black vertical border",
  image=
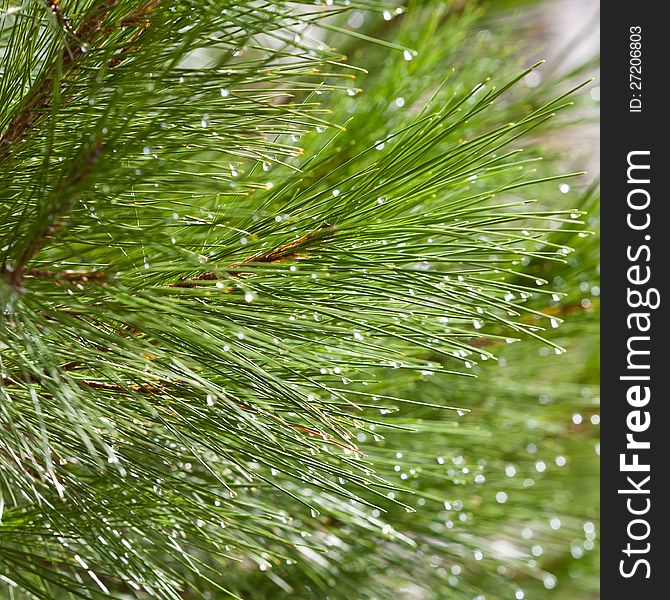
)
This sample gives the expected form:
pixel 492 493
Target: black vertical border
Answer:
pixel 623 131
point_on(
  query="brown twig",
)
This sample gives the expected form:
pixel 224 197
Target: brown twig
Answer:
pixel 285 252
pixel 85 38
pixel 157 389
pixel 67 275
pixel 139 18
pixel 291 250
pixel 40 97
pixel 78 173
pixel 115 387
pixel 143 388
pixel 61 19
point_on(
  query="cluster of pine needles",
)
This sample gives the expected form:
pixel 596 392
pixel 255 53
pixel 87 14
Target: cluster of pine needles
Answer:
pixel 263 265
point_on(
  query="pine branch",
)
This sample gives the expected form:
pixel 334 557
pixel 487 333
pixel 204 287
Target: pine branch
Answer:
pixel 157 430
pixel 39 99
pixel 67 275
pixel 56 207
pixel 290 251
pixel 62 20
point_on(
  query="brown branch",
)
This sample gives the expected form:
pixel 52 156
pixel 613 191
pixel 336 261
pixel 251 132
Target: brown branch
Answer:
pixel 139 18
pixel 115 387
pixel 291 250
pixel 288 251
pixel 40 98
pixel 78 173
pixel 86 37
pixel 82 276
pixel 142 388
pixel 61 19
